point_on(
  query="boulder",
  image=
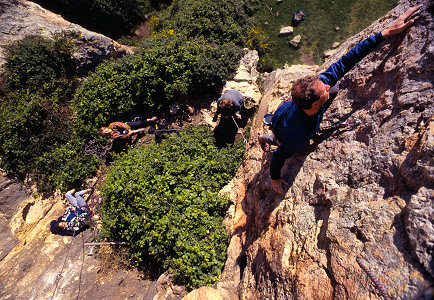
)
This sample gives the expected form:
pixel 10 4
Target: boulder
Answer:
pixel 20 18
pixel 284 31
pixel 295 41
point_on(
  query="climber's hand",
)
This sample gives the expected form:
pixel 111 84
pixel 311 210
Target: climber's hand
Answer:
pixel 403 22
pixel 278 185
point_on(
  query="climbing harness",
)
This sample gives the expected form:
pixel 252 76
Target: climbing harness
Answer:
pixel 97 149
pixel 350 122
pixel 373 279
pixel 244 138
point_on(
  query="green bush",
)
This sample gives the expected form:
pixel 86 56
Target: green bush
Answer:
pixel 27 129
pixel 224 21
pixel 163 200
pixel 214 66
pixel 64 167
pixel 35 140
pixel 164 70
pixel 36 62
pixel 36 133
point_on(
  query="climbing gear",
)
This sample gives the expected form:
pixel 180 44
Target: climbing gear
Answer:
pixel 63 266
pixel 244 139
pixel 286 98
pixel 266 119
pixel 373 279
pixel 97 149
pixel 350 122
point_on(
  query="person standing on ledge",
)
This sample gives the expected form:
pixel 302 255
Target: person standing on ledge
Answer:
pixel 296 121
pixel 229 104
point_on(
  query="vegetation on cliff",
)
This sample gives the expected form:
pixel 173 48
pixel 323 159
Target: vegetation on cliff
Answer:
pixel 36 133
pixel 165 69
pixel 163 200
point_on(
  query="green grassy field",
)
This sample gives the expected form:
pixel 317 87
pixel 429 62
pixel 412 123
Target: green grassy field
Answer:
pixel 318 29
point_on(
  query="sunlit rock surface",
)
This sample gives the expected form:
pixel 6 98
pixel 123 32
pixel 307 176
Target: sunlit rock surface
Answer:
pixel 362 192
pixel 19 18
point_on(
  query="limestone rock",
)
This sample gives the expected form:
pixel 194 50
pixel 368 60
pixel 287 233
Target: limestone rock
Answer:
pixel 420 227
pixel 20 18
pixel 284 31
pixel 295 41
pixel 247 70
pixel 204 293
pixel 360 192
pixel 329 52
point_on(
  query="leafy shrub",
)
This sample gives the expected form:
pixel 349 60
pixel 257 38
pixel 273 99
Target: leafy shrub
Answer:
pixel 163 200
pixel 36 62
pixel 259 41
pixel 64 167
pixel 215 64
pixel 35 136
pixel 36 133
pixel 165 69
pixel 220 22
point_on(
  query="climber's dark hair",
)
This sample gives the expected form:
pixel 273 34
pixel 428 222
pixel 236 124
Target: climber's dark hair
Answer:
pixel 303 91
pixel 225 104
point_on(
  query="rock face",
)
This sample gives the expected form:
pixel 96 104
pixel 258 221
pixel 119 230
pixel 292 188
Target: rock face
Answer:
pixel 19 18
pixel 364 191
pixel 37 264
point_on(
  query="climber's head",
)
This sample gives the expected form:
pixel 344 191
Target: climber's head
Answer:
pixel 310 92
pixel 104 131
pixel 225 104
pixel 61 225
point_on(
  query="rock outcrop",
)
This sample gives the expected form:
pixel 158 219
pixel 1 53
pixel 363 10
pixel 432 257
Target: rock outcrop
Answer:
pixel 362 191
pixel 19 18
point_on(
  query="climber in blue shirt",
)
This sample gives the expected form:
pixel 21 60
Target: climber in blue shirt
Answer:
pixel 296 121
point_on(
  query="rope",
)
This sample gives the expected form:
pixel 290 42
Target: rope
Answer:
pixel 105 243
pixel 94 148
pixel 82 263
pixel 64 262
pixel 94 206
pixel 373 279
pixel 244 139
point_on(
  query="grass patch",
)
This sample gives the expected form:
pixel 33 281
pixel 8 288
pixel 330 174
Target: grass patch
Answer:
pixel 318 29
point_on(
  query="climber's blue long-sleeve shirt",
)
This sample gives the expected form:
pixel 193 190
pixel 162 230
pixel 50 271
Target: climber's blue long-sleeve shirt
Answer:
pixel 292 127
